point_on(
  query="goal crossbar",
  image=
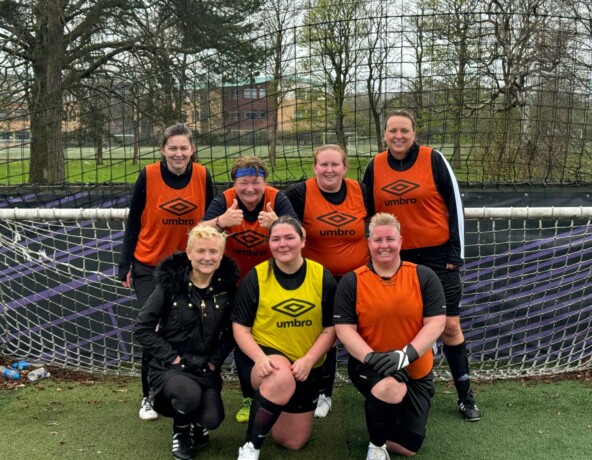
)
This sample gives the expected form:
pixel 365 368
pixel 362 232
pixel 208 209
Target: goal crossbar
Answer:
pixel 575 212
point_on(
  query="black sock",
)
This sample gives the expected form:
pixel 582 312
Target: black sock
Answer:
pixel 328 373
pixel 180 426
pixel 378 414
pixel 263 416
pixel 456 355
pixel 146 358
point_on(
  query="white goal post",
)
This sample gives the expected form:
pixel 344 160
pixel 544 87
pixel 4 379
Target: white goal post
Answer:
pixel 526 308
pixel 576 212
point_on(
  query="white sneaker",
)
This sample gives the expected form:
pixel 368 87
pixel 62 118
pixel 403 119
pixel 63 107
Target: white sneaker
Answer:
pixel 147 412
pixel 323 406
pixel 377 453
pixel 248 452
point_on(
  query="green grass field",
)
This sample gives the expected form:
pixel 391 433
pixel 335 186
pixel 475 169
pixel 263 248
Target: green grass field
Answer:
pixel 97 419
pixel 293 163
pixel 81 168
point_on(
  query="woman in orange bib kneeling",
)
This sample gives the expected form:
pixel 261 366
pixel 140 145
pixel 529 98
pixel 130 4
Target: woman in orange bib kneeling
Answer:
pixel 388 314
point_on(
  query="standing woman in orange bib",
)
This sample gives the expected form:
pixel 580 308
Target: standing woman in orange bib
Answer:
pixel 332 211
pixel 416 184
pixel 169 198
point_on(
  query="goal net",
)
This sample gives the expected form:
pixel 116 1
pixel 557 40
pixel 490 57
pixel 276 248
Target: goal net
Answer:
pixel 526 308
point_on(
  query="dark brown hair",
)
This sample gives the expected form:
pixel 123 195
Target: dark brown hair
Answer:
pixel 178 129
pixel 400 113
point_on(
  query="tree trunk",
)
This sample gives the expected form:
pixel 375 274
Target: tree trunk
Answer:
pixel 374 100
pixel 339 97
pixel 340 130
pixel 99 151
pixel 457 124
pixel 456 160
pixel 136 127
pixel 377 129
pixel 47 164
pixel 459 105
pixel 273 115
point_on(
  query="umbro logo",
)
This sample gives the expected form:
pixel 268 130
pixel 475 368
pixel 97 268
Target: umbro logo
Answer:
pixel 293 307
pixel 336 219
pixel 249 238
pixel 178 206
pixel 399 187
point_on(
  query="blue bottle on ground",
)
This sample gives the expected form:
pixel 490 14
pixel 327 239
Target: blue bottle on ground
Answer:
pixel 21 365
pixel 9 373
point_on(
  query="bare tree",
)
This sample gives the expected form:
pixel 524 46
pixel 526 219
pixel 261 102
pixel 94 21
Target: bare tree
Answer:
pixel 332 32
pixel 512 53
pixel 279 22
pixel 455 26
pixel 510 60
pixel 581 11
pixel 420 41
pixel 381 53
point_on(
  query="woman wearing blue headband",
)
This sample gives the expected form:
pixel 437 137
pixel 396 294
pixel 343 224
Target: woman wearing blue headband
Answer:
pixel 246 211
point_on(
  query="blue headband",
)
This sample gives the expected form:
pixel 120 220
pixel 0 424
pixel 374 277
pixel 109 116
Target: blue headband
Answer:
pixel 251 171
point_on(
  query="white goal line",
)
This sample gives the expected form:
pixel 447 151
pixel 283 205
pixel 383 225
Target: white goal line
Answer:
pixel 577 212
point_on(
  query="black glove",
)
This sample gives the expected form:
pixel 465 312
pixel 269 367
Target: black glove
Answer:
pixel 401 376
pixel 192 363
pixel 372 358
pixel 388 362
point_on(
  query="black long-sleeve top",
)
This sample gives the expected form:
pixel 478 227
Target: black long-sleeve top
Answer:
pixel 435 257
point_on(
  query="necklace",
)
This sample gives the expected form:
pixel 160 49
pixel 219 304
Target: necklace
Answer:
pixel 202 304
pixel 388 279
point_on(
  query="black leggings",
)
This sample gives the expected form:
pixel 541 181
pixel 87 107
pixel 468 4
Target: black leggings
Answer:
pixel 143 281
pixel 188 401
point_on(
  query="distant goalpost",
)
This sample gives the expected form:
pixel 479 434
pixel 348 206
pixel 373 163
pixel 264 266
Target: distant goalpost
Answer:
pixel 526 308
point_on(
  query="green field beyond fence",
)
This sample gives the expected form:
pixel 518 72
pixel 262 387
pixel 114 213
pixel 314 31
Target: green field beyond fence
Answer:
pixel 118 167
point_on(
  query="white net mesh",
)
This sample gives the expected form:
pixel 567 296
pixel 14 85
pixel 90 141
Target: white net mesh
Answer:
pixel 526 307
pixel 61 303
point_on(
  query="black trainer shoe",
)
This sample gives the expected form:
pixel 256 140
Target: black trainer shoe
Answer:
pixel 199 435
pixel 182 445
pixel 468 408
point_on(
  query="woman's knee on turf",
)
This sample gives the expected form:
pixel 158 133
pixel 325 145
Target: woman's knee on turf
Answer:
pixel 405 443
pixel 292 431
pixel 398 449
pixel 292 442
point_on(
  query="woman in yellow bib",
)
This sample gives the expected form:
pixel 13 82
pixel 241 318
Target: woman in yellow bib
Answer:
pixel 283 326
